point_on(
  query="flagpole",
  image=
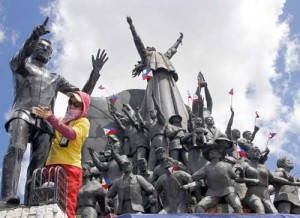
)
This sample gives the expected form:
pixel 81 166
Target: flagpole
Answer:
pixel 231 100
pixel 296 173
pixel 107 91
pixel 268 141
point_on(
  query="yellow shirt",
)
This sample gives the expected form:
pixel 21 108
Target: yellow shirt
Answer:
pixel 70 155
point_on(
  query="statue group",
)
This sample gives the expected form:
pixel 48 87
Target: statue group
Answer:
pixel 167 157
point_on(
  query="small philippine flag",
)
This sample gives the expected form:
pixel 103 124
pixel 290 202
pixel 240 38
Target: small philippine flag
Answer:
pixel 241 151
pixel 101 87
pixel 271 135
pixel 105 183
pixel 189 94
pixel 113 99
pixel 147 74
pixel 230 92
pixel 196 98
pixel 173 168
pixel 110 131
pixel 256 114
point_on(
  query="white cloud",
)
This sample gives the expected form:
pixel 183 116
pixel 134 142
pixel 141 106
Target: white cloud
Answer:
pixel 14 36
pixel 234 43
pixel 2 35
pixel 292 57
pixel 2 31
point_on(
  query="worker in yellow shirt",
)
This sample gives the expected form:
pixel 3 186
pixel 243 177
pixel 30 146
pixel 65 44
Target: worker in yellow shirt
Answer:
pixel 70 134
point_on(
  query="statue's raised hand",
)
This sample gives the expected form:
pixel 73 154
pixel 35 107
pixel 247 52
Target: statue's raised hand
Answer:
pixel 91 150
pixel 129 20
pixel 40 30
pixel 181 36
pixel 100 60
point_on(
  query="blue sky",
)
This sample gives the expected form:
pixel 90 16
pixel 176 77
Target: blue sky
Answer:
pixel 251 46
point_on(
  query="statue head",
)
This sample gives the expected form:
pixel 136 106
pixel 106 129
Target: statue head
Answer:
pixel 175 120
pixel 86 170
pixel 127 167
pixel 247 135
pixel 224 142
pixel 160 153
pixel 253 152
pixel 236 134
pixel 214 153
pixel 42 51
pixel 148 48
pixel 153 114
pixel 285 163
pixel 142 164
pixel 198 121
pixel 209 121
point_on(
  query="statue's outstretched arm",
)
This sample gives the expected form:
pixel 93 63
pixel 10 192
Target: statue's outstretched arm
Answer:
pixel 137 40
pixel 25 52
pixel 118 121
pixel 229 125
pixel 100 165
pixel 95 74
pixel 256 128
pixel 209 101
pixel 174 47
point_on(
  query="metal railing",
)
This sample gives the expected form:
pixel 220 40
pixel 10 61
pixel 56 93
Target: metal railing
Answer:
pixel 49 186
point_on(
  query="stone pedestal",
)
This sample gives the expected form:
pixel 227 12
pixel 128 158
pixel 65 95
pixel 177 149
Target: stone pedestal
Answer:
pixel 43 211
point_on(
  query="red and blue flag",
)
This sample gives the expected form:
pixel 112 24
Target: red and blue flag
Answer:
pixel 196 98
pixel 241 151
pixel 272 134
pixel 189 94
pixel 110 131
pixel 113 99
pixel 101 87
pixel 147 74
pixel 105 183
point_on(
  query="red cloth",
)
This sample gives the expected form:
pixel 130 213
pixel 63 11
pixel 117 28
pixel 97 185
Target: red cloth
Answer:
pixel 74 177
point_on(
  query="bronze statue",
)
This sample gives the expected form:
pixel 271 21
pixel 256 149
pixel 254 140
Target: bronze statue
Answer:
pixel 156 131
pixel 89 195
pixel 213 132
pixel 165 162
pixel 198 105
pixel 129 190
pixel 34 85
pixel 286 197
pixel 194 142
pixel 217 175
pixel 175 199
pixel 257 178
pixel 175 131
pixel 163 83
pixel 106 164
pixel 234 135
pixel 135 137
